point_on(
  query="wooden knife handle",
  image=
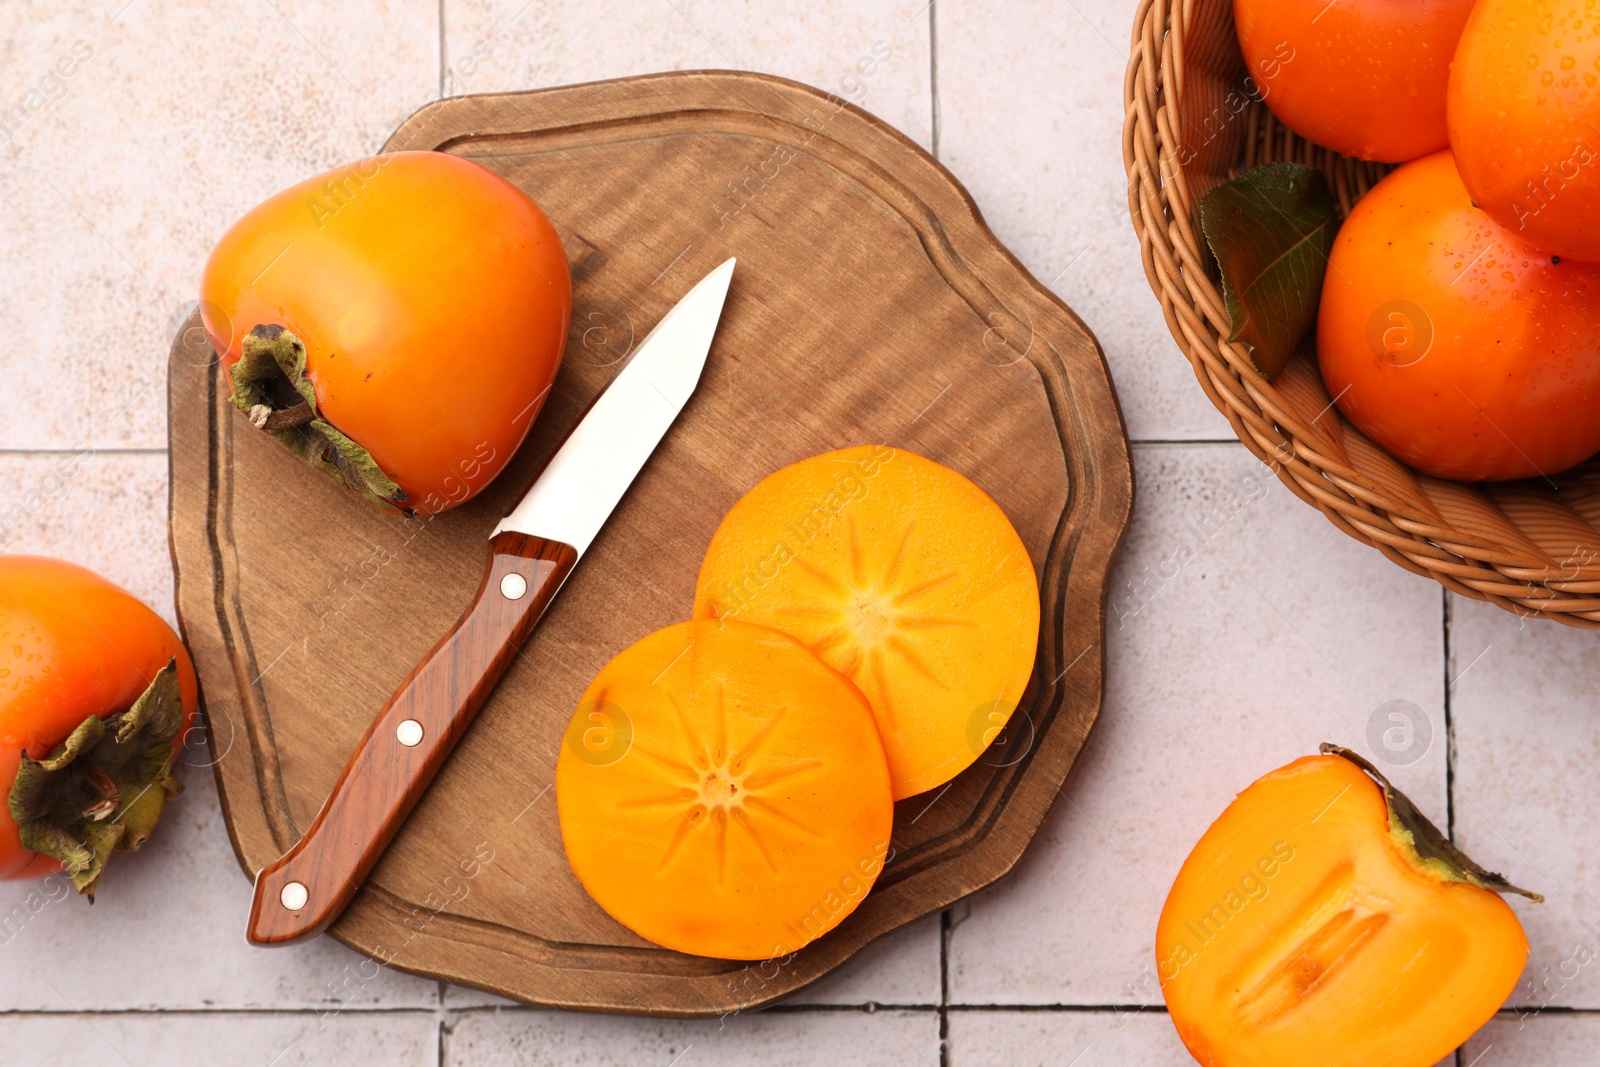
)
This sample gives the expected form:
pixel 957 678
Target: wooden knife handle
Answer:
pixel 301 893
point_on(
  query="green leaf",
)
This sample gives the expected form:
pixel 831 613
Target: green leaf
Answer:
pixel 1271 230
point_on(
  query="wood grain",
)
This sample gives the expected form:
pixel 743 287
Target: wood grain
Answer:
pixel 871 304
pixel 387 776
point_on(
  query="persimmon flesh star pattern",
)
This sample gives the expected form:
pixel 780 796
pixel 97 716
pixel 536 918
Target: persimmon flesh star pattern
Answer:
pixel 903 575
pixel 724 792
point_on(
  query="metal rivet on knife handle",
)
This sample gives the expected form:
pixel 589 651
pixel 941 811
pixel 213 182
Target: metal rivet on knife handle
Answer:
pixel 409 733
pixel 513 586
pixel 294 896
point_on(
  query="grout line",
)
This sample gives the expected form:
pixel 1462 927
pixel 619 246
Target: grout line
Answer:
pixel 12 1013
pixel 1449 750
pixel 869 1008
pixel 442 54
pixel 1078 1009
pixel 443 1031
pixel 933 69
pixel 1449 724
pixel 945 930
pixel 92 450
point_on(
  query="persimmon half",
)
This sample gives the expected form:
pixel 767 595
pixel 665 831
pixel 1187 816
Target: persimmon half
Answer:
pixel 1322 919
pixel 396 322
pixel 1453 342
pixel 724 792
pixel 902 574
pixel 1524 107
pixel 1366 78
pixel 96 694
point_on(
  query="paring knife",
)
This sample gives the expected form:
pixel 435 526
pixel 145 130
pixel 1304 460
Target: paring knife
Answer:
pixel 531 552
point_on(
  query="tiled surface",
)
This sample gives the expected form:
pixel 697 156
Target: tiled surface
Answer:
pixel 1030 106
pixel 1527 734
pixel 1554 1040
pixel 1244 628
pixel 51 504
pixel 1050 1039
pixel 874 53
pixel 399 1039
pixel 777 1039
pixel 165 931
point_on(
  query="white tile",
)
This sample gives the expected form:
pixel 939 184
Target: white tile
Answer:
pixel 1553 1040
pixel 161 1040
pixel 1271 632
pixel 776 1039
pixel 104 510
pixel 1057 1038
pixel 167 931
pixel 1030 119
pixel 177 118
pixel 1052 1038
pixel 1527 740
pixel 874 53
pixel 900 968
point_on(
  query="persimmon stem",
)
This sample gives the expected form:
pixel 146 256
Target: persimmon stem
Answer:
pixel 110 795
pixel 273 389
pixel 263 417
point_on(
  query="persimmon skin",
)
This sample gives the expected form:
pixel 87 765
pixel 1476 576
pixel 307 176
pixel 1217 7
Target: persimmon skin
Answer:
pixel 1456 345
pixel 71 645
pixel 902 574
pixel 1524 104
pixel 433 298
pixel 723 792
pixel 1366 78
pixel 1298 931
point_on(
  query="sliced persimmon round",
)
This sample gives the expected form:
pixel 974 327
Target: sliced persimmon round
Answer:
pixel 724 792
pixel 1322 919
pixel 902 574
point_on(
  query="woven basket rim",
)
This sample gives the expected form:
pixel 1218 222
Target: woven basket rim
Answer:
pixel 1456 533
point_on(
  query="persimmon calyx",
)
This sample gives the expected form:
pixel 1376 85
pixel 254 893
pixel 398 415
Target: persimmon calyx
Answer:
pixel 1422 842
pixel 271 388
pixel 102 790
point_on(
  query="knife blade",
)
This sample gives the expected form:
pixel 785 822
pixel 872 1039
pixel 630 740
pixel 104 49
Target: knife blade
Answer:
pixel 531 552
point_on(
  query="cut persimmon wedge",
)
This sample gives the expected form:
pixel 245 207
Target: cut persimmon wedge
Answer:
pixel 902 574
pixel 723 792
pixel 1322 919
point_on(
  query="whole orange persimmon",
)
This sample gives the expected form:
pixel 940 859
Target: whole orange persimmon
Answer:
pixel 1461 348
pixel 96 693
pixel 1322 919
pixel 1363 77
pixel 1524 107
pixel 397 322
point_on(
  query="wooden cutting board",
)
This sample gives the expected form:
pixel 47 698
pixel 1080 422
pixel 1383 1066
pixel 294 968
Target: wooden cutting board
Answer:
pixel 871 304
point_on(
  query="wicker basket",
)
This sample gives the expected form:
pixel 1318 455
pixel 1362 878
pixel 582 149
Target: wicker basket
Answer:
pixel 1532 547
